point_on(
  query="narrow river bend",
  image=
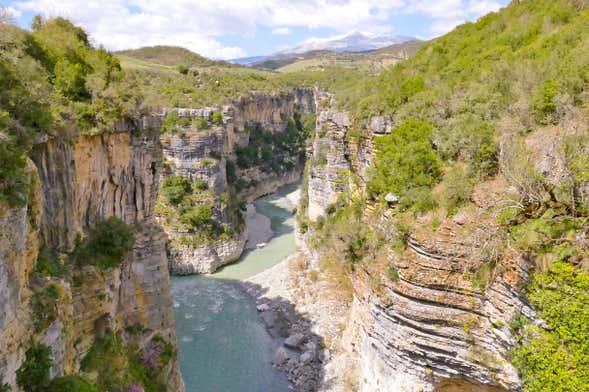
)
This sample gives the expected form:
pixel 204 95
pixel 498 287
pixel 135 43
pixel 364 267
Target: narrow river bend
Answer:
pixel 223 346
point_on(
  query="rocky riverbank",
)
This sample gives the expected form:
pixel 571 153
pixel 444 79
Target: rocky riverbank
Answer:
pixel 308 321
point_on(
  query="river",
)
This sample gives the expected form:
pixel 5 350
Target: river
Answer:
pixel 223 346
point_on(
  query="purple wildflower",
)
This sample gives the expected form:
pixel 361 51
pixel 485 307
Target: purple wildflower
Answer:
pixel 150 356
pixel 136 388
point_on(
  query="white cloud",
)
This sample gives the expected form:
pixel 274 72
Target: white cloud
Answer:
pixel 199 24
pixel 281 31
pixel 447 14
pixel 10 13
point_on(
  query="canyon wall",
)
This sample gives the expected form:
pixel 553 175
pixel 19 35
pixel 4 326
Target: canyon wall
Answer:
pixel 77 183
pixel 211 155
pixel 425 322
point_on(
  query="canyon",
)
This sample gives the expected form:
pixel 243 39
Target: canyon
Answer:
pixel 427 330
pixel 77 183
pixel 173 223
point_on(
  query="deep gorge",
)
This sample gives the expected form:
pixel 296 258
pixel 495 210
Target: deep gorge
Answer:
pixel 170 223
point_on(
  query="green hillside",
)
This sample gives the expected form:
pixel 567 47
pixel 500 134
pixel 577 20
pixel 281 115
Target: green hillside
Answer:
pixel 50 79
pixel 169 55
pixel 467 107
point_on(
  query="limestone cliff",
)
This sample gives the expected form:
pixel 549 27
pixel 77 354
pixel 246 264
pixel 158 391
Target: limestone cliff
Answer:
pixel 426 321
pixel 79 182
pixel 224 156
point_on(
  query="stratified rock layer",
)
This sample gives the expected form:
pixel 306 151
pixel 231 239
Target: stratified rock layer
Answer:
pixel 203 155
pixel 429 326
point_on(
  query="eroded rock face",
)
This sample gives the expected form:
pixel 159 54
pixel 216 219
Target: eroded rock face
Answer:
pixel 203 155
pixel 430 326
pixel 329 159
pixel 207 257
pixel 79 183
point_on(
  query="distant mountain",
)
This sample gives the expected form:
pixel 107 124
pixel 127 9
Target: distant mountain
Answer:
pixel 369 60
pixel 353 42
pixel 247 60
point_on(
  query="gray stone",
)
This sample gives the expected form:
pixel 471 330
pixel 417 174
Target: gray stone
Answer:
pixel 381 125
pixel 262 307
pixel 280 356
pixel 306 357
pixel 391 198
pixel 460 218
pixel 294 340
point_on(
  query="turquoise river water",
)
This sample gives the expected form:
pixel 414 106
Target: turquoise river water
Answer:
pixel 223 346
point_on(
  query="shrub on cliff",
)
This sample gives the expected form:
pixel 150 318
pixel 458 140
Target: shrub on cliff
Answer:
pixel 175 188
pixel 33 375
pixel 119 366
pixel 72 383
pixel 199 216
pixel 106 244
pixel 556 358
pixel 217 118
pixel 44 306
pixel 406 164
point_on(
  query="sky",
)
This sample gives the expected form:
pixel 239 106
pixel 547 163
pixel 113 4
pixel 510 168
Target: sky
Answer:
pixel 226 29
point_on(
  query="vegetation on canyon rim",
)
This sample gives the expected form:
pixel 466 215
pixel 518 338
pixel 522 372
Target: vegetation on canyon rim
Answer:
pixel 466 106
pixel 110 365
pixel 201 213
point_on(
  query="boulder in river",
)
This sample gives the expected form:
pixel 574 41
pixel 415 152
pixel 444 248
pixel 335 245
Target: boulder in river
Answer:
pixel 306 357
pixel 280 356
pixel 295 340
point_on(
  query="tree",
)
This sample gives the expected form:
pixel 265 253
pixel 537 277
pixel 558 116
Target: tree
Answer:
pixel 37 22
pixel 406 164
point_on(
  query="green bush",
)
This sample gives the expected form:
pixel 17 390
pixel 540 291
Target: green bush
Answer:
pixel 200 123
pixel 457 188
pixel 557 358
pixel 217 118
pixel 106 244
pixel 547 234
pixel 200 185
pixel 33 375
pixel 406 164
pixel 473 141
pixel 70 80
pixel 543 102
pixel 44 306
pixel 183 69
pixel 173 123
pixel 73 383
pixel 108 358
pixel 197 216
pixel 230 172
pixel 14 177
pixel 175 188
pixel 118 366
pixel 5 388
pixel 48 263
